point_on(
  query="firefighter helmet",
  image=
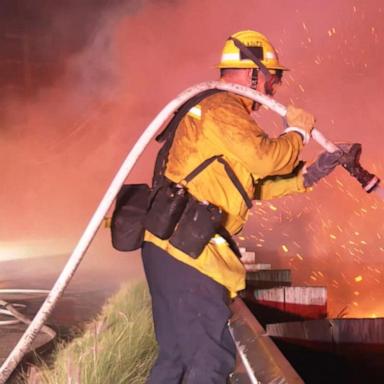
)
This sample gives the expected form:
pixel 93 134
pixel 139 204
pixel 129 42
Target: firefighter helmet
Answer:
pixel 259 45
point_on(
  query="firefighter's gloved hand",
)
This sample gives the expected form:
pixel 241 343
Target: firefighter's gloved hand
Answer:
pixel 300 121
pixel 321 167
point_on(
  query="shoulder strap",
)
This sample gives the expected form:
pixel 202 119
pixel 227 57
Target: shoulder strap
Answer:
pixel 236 182
pixel 231 174
pixel 223 232
pixel 168 135
pixel 200 168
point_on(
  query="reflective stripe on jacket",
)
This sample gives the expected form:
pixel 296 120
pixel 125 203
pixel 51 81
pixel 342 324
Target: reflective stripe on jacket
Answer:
pixel 221 125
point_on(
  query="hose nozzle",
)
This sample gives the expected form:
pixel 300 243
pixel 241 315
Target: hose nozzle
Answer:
pixel 351 162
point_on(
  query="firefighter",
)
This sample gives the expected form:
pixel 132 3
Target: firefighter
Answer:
pixel 190 295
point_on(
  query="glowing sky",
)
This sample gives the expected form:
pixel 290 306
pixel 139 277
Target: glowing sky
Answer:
pixel 80 83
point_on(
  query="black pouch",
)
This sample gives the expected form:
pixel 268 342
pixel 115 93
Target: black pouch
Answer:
pixel 198 224
pixel 166 209
pixel 127 224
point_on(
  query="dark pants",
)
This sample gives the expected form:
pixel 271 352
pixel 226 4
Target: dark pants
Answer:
pixel 190 312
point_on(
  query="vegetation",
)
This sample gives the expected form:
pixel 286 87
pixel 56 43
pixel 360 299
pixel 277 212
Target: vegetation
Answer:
pixel 118 347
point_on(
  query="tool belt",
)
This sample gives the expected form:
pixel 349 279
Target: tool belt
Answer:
pixel 189 224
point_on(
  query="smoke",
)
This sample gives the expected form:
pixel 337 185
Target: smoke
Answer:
pixel 57 123
pixel 81 80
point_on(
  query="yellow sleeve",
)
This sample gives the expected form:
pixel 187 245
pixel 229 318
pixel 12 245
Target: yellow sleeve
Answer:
pixel 278 186
pixel 236 135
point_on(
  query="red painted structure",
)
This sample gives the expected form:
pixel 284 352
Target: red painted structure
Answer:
pixel 308 302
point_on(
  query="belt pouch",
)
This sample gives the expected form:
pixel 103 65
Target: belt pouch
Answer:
pixel 198 224
pixel 127 225
pixel 166 209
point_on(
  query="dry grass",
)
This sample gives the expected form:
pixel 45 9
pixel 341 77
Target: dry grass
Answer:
pixel 118 347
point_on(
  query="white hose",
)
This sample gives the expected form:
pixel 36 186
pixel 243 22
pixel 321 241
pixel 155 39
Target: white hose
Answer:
pixel 12 291
pixel 10 310
pixel 27 291
pixel 9 322
pixel 9 314
pixel 78 253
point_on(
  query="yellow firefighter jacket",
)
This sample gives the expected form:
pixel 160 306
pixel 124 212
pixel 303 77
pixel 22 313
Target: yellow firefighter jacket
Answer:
pixel 221 125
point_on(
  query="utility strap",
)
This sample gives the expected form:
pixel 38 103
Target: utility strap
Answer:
pixel 231 174
pixel 168 135
pixel 248 53
pixel 200 168
pixel 181 112
pixel 236 182
pixel 223 232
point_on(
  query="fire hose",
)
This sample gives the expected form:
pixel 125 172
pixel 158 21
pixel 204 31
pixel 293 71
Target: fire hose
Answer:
pixel 10 310
pixel 6 312
pixel 369 182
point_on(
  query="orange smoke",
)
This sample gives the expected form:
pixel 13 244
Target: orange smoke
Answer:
pixel 61 144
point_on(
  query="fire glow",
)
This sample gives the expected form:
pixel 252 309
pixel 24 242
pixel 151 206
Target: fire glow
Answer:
pixel 67 136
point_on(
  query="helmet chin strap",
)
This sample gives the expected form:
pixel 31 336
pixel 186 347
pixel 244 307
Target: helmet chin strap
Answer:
pixel 260 66
pixel 255 78
pixel 254 81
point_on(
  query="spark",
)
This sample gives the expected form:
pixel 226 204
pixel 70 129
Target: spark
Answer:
pixel 285 248
pixel 331 31
pixel 359 279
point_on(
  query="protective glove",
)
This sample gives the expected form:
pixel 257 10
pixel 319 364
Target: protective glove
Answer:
pixel 346 147
pixel 300 121
pixel 321 167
